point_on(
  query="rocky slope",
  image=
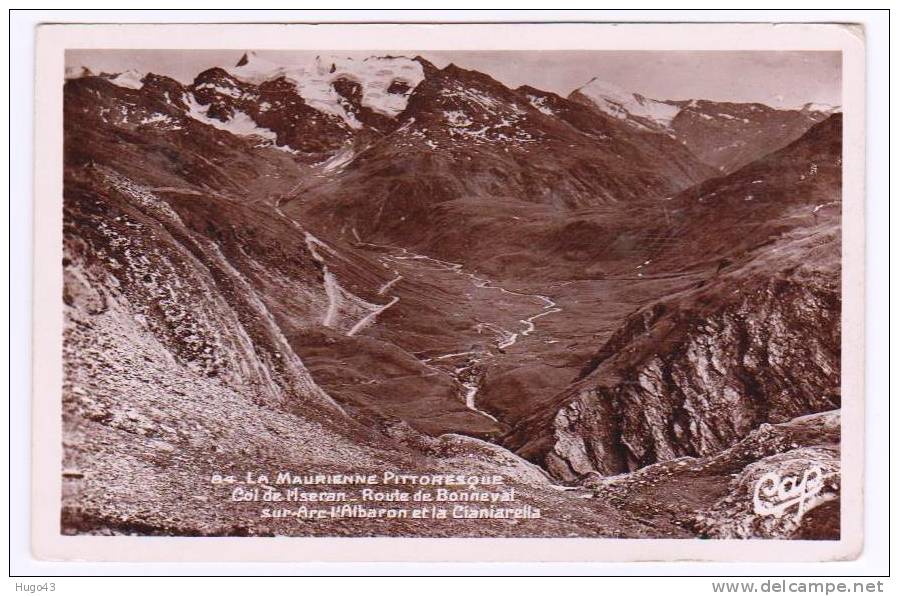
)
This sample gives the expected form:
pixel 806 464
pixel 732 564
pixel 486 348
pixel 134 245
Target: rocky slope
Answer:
pixel 729 136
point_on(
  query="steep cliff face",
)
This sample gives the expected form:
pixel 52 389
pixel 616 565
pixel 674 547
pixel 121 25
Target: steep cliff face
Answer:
pixel 687 379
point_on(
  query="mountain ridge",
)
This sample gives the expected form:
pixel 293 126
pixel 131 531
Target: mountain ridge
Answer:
pixel 381 99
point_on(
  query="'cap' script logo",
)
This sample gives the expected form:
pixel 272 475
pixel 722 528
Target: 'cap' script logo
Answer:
pixel 775 494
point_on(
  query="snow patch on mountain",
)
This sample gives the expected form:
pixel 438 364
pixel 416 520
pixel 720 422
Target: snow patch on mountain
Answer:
pixel 473 115
pixel 339 160
pixel 540 104
pixel 130 79
pixel 386 82
pixel 475 96
pixel 161 121
pixel 820 107
pixel 239 124
pixel 623 104
pixel 458 118
pixel 229 91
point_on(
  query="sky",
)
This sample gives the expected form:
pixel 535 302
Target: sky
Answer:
pixel 779 79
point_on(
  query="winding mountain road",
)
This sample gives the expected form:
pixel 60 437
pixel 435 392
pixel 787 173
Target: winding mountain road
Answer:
pixel 466 367
pixel 470 365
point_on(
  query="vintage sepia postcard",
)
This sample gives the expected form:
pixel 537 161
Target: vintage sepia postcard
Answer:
pixel 449 292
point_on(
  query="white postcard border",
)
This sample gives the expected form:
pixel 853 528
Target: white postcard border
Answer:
pixel 53 40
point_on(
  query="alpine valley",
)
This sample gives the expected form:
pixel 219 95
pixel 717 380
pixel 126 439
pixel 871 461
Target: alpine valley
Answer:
pixel 628 308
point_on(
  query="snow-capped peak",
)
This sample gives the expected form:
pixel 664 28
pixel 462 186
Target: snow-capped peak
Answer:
pixel 622 104
pixel 820 107
pixel 77 72
pixel 252 68
pixel 131 79
pixel 386 82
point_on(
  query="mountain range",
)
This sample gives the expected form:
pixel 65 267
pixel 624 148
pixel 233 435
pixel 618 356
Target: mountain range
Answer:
pixel 627 306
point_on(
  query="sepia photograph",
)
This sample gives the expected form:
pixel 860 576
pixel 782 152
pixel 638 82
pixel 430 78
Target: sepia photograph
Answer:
pixel 626 306
pixel 330 292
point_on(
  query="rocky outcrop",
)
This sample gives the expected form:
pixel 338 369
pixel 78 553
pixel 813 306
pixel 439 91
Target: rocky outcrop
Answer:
pixel 781 481
pixel 750 511
pixel 273 105
pixel 693 375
